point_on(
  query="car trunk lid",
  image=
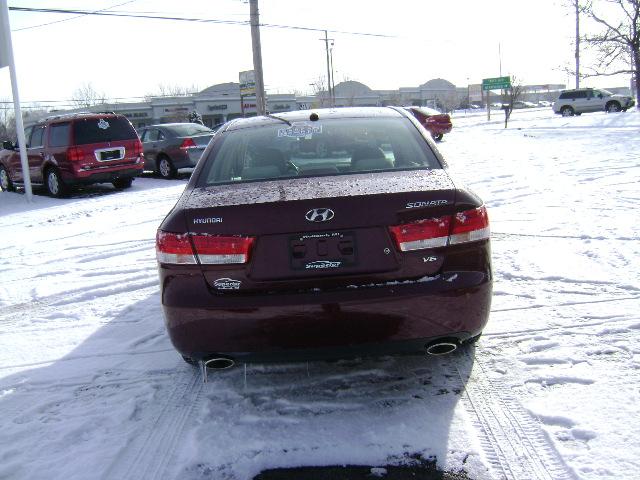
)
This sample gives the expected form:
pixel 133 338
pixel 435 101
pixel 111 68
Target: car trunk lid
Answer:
pixel 319 227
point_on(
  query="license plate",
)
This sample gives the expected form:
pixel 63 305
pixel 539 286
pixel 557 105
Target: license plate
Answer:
pixel 324 251
pixel 109 155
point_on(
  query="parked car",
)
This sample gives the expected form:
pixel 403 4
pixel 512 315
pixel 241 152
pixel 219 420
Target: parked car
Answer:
pixel 523 104
pixel 271 255
pixel 171 146
pixel 582 100
pixel 437 123
pixel 75 149
pixel 545 103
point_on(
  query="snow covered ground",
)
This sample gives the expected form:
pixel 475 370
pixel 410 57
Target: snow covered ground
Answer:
pixel 90 386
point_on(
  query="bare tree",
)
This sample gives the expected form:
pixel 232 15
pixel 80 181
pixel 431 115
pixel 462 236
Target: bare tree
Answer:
pixel 320 91
pixel 447 101
pixel 6 117
pixel 617 40
pixel 30 113
pixel 168 90
pixel 86 96
pixel 511 96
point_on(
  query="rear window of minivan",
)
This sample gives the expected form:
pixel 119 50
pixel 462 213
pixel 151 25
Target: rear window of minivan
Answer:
pixel 101 130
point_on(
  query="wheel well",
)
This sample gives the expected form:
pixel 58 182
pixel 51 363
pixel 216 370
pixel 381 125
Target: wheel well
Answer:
pixel 46 166
pixel 611 102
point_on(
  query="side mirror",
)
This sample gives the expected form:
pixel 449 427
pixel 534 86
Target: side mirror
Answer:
pixel 7 145
pixel 600 95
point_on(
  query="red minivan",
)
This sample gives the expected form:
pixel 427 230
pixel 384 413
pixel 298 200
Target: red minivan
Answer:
pixel 76 149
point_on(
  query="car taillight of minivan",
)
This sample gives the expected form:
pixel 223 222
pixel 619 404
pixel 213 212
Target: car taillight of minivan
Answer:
pixel 75 154
pixel 468 226
pixel 208 249
pixel 137 149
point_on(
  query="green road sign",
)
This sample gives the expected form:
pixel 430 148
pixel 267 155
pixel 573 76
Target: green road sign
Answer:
pixel 497 83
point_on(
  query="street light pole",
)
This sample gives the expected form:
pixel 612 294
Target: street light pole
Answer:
pixel 257 57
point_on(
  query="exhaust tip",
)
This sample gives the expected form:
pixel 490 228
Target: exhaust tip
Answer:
pixel 441 348
pixel 219 363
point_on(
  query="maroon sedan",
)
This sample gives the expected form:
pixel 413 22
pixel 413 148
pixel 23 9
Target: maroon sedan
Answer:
pixel 437 123
pixel 270 254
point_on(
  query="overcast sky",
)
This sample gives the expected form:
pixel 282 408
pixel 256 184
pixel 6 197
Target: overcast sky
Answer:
pixel 454 39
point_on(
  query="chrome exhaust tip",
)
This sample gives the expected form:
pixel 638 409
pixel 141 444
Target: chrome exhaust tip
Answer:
pixel 219 363
pixel 441 348
pixel 216 363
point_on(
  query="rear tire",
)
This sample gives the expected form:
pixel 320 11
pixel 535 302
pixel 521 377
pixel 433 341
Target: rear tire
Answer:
pixel 122 183
pixel 165 168
pixel 6 184
pixel 438 137
pixel 613 107
pixel 567 111
pixel 53 182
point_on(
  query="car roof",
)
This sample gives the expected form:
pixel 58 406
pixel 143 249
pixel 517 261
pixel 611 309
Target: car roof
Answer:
pixel 323 114
pixel 173 124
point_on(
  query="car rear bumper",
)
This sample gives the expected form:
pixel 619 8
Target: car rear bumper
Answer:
pixel 436 129
pixel 383 319
pixel 104 176
pixel 188 158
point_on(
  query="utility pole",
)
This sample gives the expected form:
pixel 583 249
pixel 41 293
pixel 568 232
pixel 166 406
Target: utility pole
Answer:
pixel 577 5
pixel 329 89
pixel 257 57
pixel 333 83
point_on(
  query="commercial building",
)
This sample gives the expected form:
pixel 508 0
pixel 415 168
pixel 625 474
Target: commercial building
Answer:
pixel 220 103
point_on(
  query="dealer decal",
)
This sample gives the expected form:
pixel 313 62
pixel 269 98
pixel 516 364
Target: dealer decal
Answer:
pixel 322 264
pixel 227 284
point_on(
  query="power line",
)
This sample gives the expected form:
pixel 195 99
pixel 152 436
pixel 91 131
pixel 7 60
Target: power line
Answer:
pixel 188 19
pixel 73 18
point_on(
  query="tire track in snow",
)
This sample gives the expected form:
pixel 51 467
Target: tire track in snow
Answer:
pixel 148 456
pixel 515 445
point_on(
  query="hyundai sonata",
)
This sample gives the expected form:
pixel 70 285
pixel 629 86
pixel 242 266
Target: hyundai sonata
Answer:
pixel 275 252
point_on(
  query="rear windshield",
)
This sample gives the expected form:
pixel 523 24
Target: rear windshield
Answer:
pixel 100 130
pixel 309 149
pixel 189 129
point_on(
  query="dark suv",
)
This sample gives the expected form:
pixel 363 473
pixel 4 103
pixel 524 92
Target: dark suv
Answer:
pixel 75 149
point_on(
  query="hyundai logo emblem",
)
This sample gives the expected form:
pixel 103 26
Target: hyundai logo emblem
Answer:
pixel 319 215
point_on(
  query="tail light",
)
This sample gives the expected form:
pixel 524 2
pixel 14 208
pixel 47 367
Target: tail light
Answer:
pixel 137 149
pixel 188 143
pixel 430 233
pixel 75 154
pixel 468 226
pixel 208 249
pixel 174 248
pixel 213 249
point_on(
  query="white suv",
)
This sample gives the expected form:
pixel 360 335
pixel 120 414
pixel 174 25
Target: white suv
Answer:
pixel 580 100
